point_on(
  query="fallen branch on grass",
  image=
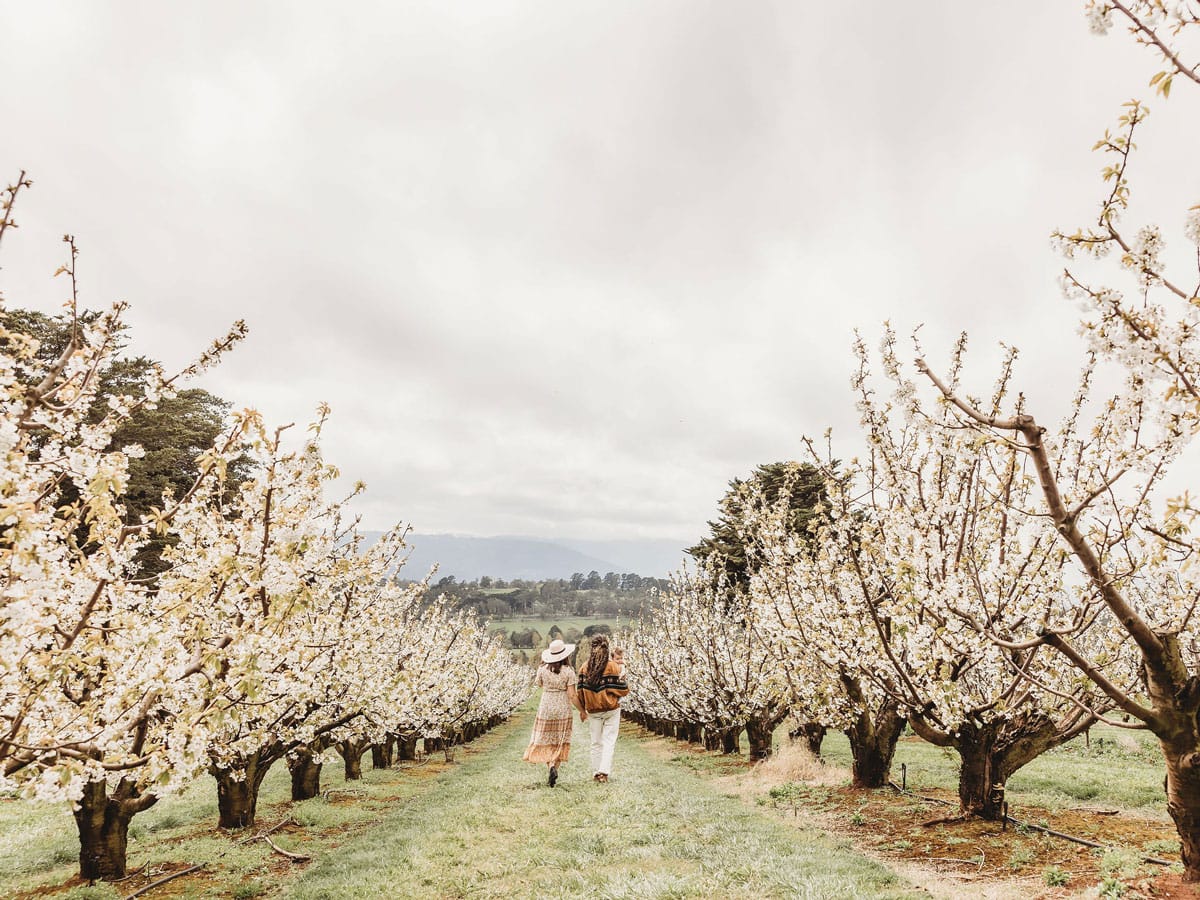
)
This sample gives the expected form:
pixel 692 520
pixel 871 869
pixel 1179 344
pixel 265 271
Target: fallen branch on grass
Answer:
pixel 1084 841
pixel 262 834
pixel 134 874
pixel 901 790
pixel 140 891
pixel 326 794
pixel 977 863
pixel 294 857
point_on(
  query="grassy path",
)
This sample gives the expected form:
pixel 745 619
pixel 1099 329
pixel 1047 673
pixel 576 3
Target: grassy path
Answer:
pixel 492 828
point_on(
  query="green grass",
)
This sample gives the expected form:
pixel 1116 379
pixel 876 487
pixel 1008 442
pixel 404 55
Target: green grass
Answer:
pixel 39 847
pixel 489 827
pixel 494 829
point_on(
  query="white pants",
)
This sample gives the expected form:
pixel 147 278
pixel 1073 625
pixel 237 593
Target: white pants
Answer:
pixel 604 726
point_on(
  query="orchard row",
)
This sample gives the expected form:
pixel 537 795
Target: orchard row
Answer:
pixel 270 632
pixel 997 581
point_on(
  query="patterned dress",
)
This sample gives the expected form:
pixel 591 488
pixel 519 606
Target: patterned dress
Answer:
pixel 551 741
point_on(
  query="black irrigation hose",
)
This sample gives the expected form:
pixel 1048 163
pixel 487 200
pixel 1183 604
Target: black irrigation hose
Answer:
pixel 1042 828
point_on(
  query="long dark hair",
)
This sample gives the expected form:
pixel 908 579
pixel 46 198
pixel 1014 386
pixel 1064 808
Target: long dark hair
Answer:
pixel 598 660
pixel 557 665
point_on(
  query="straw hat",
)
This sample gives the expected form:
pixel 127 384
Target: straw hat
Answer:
pixel 556 651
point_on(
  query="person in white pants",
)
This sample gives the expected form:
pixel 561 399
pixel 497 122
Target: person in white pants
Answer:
pixel 601 687
pixel 604 726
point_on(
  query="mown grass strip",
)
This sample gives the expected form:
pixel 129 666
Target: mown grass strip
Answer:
pixel 494 829
pixel 39 848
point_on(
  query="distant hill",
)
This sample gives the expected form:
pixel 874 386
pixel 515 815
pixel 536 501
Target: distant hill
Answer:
pixel 468 558
pixel 655 558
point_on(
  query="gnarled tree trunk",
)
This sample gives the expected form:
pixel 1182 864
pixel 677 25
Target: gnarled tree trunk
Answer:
pixel 306 775
pixel 1175 698
pixel 759 732
pixel 981 778
pixel 873 736
pixel 992 752
pixel 873 745
pixel 1183 802
pixel 731 740
pixel 406 746
pixel 351 752
pixel 813 735
pixel 103 825
pixel 381 755
pixel 237 789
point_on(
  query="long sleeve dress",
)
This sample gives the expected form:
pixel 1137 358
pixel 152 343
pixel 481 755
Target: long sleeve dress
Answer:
pixel 551 740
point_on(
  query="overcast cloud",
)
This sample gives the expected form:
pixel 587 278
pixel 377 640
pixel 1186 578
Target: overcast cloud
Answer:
pixel 564 269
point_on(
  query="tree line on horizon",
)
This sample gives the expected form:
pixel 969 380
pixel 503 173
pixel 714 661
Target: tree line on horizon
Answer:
pixel 612 595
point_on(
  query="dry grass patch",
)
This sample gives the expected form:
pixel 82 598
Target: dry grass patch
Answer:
pixel 794 762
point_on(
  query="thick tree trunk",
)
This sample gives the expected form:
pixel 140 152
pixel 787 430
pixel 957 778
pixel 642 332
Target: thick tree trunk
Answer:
pixel 731 740
pixel 406 747
pixel 351 753
pixel 813 735
pixel 873 745
pixel 1175 696
pixel 306 776
pixel 992 752
pixel 381 755
pixel 103 825
pixel 980 780
pixel 1183 803
pixel 432 744
pixel 760 733
pixel 712 738
pixel 237 800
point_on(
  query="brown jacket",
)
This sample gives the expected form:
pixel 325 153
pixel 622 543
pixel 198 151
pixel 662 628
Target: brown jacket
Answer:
pixel 604 693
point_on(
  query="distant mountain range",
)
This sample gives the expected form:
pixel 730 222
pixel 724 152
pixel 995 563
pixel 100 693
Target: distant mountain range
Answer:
pixel 468 558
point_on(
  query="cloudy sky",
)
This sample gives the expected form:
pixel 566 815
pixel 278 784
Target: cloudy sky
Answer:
pixel 564 269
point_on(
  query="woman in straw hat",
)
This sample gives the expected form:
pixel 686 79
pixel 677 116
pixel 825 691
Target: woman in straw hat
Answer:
pixel 551 741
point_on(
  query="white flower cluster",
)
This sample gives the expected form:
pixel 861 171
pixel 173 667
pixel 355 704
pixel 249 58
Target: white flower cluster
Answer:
pixel 1099 17
pixel 1191 225
pixel 1144 257
pixel 693 658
